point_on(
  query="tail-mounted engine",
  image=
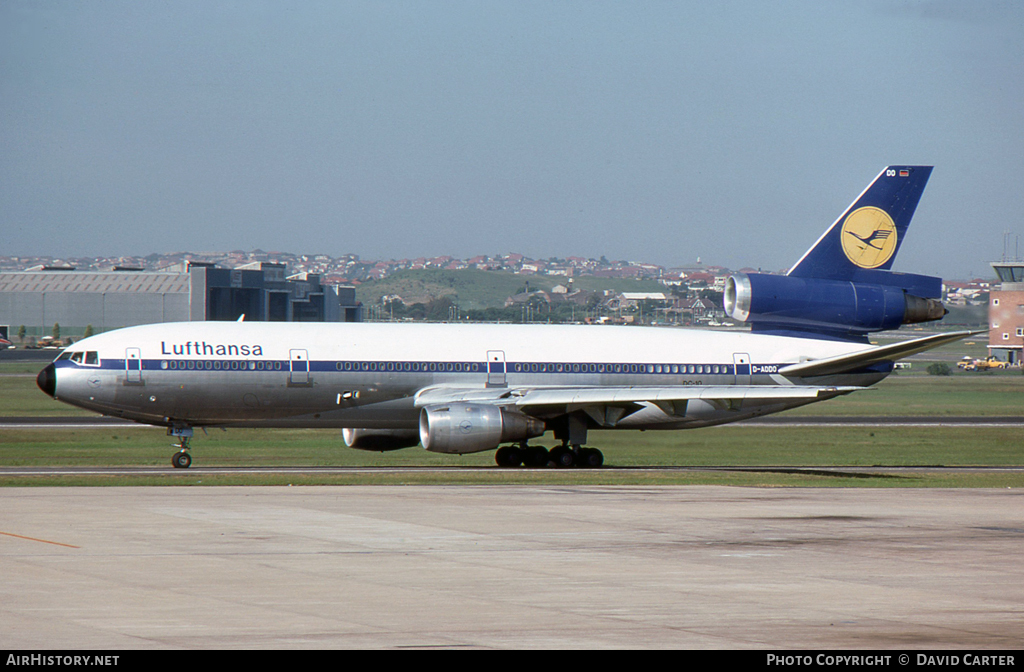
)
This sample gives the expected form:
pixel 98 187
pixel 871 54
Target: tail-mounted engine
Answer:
pixel 471 428
pixel 875 301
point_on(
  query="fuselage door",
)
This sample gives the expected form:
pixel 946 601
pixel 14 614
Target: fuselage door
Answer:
pixel 299 367
pixel 741 361
pixel 495 368
pixel 133 365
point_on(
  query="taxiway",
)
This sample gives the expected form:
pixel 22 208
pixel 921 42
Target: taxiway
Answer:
pixel 510 567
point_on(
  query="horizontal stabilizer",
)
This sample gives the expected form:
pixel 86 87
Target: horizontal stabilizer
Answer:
pixel 863 358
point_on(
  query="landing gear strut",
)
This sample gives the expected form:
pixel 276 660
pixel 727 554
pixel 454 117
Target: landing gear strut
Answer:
pixel 181 459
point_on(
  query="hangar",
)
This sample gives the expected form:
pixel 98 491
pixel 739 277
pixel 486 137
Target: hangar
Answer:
pixel 41 297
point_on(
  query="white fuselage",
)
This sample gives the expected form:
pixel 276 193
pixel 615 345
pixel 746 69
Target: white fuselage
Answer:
pixel 370 375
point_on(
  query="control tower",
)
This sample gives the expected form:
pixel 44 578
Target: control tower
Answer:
pixel 1006 312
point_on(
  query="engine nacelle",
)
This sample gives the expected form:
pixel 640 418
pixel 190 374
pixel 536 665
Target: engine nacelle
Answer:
pixel 786 302
pixel 470 428
pixel 380 439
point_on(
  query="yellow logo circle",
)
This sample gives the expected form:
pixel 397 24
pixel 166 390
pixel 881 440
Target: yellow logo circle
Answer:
pixel 869 237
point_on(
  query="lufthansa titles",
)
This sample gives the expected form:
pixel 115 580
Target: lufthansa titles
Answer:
pixel 214 349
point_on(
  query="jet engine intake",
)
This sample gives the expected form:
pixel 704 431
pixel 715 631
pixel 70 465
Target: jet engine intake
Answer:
pixel 471 428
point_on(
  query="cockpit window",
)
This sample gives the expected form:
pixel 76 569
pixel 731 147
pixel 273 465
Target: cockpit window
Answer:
pixel 90 358
pixel 64 355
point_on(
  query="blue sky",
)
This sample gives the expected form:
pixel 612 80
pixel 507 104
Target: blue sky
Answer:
pixel 655 131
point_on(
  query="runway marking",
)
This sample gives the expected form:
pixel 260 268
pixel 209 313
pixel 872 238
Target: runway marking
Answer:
pixel 43 541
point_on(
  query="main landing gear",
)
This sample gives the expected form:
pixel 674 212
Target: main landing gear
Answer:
pixel 563 456
pixel 181 459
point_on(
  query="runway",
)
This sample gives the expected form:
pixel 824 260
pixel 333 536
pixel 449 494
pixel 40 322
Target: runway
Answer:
pixel 511 567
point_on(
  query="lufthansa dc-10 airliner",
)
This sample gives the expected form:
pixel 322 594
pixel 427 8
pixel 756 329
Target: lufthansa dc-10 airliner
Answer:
pixel 466 388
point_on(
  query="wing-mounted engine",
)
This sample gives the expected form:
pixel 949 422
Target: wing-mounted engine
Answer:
pixel 873 300
pixel 471 428
pixel 380 439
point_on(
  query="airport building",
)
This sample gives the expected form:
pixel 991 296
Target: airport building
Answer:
pixel 1006 312
pixel 39 298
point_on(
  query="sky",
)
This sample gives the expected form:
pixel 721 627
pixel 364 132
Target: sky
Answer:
pixel 733 132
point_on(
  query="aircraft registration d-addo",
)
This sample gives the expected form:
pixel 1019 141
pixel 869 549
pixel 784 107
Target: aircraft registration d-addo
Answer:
pixel 466 388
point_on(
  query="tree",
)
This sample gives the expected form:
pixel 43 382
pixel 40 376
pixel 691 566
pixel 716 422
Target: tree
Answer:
pixel 438 309
pixel 88 331
pixel 21 333
pixel 56 331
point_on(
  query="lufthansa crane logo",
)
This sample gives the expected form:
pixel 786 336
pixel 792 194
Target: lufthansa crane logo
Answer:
pixel 869 237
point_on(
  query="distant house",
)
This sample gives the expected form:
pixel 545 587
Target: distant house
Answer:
pixel 644 296
pixel 674 279
pixel 527 297
pixel 700 279
pixel 700 309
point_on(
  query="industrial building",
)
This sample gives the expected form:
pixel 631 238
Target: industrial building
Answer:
pixel 40 298
pixel 1006 313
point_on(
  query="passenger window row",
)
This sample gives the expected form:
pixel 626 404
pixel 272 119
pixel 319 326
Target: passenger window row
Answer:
pixel 91 358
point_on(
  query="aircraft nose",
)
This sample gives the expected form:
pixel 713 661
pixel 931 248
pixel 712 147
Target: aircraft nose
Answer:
pixel 47 380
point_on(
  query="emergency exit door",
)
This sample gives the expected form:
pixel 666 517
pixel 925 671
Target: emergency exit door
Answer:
pixel 299 374
pixel 133 366
pixel 495 368
pixel 741 361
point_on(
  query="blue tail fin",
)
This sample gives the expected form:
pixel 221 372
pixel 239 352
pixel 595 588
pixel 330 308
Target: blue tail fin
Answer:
pixel 869 234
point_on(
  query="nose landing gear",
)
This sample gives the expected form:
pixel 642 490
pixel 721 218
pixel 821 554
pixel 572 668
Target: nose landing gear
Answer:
pixel 181 459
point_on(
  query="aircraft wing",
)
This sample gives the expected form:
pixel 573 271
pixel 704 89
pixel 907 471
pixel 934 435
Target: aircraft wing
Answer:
pixel 608 405
pixel 585 396
pixel 863 358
